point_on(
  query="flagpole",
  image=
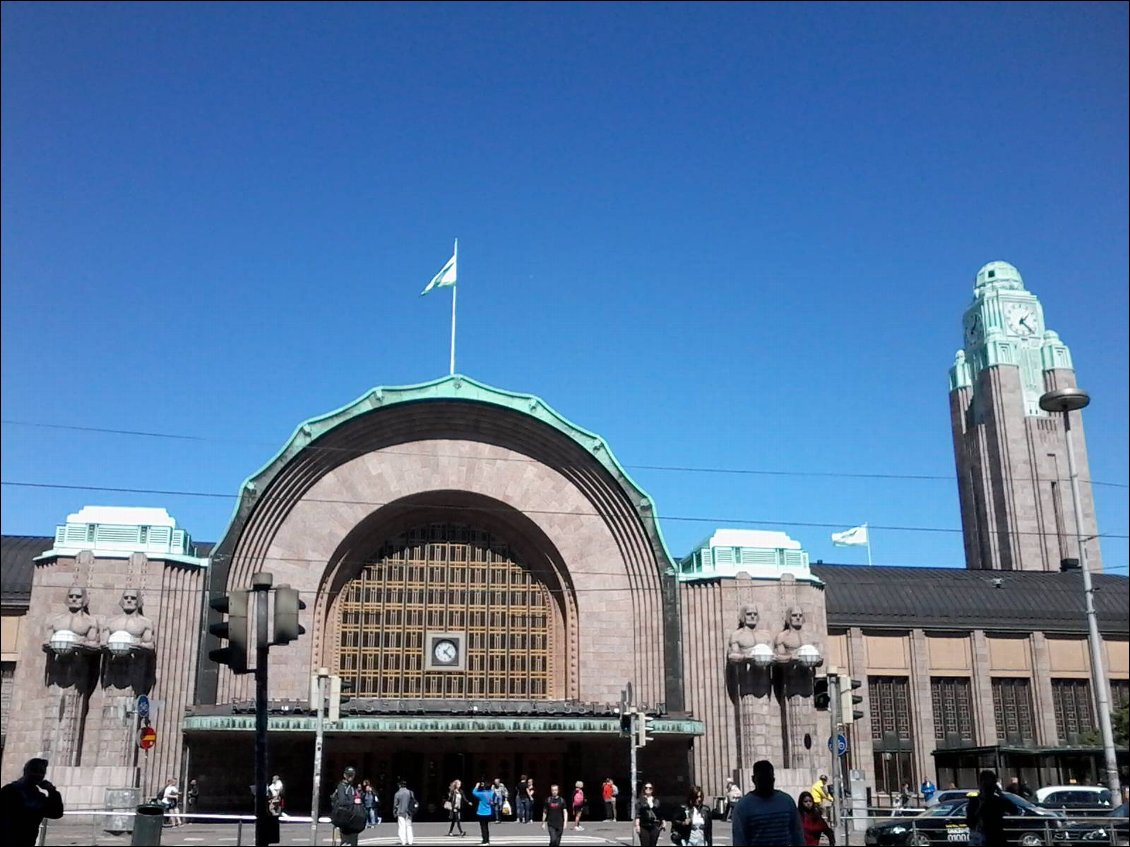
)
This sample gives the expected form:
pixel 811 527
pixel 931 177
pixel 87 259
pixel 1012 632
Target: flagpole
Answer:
pixel 454 294
pixel 868 545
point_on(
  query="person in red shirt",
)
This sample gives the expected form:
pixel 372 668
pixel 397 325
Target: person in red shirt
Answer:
pixel 607 793
pixel 812 821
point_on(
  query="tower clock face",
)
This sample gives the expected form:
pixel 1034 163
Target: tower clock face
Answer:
pixel 1021 319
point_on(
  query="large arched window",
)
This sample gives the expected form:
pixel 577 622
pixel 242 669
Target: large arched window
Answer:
pixel 447 578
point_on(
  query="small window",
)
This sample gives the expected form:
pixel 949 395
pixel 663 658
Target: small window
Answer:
pixel 90 528
pixel 143 535
pixel 992 274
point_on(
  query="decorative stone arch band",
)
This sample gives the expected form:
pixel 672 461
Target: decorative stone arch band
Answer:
pixel 319 508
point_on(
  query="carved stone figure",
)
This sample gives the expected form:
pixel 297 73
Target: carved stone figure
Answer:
pixel 131 620
pixel 746 636
pixel 788 640
pixel 76 619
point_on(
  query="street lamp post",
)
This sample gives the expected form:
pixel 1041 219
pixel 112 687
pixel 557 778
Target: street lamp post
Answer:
pixel 1066 401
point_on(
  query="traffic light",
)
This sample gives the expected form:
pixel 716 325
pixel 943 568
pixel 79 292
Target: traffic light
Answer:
pixel 849 699
pixel 626 723
pixel 643 725
pixel 234 630
pixel 820 698
pixel 287 606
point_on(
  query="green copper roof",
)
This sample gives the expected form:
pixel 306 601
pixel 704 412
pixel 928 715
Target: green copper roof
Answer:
pixel 461 388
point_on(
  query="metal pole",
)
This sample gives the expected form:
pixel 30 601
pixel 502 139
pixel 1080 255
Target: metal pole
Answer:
pixel 632 765
pixel 323 675
pixel 1098 672
pixel 833 739
pixel 261 585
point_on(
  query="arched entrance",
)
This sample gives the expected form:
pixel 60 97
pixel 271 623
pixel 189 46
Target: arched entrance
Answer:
pixel 448 610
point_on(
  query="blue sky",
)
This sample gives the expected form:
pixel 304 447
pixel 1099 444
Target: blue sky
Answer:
pixel 722 236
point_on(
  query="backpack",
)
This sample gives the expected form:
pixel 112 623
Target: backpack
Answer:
pixel 346 815
pixel 578 798
pixel 413 806
pixel 615 790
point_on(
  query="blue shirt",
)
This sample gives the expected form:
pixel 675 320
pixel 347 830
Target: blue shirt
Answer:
pixel 484 796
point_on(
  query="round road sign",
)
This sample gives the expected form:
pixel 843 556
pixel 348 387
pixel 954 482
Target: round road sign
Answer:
pixel 147 737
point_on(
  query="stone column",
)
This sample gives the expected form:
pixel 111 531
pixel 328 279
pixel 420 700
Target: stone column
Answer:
pixel 983 690
pixel 1043 702
pixel 922 704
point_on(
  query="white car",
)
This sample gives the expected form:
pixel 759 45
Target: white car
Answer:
pixel 1075 798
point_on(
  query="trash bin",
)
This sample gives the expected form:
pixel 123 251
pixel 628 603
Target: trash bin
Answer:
pixel 147 825
pixel 720 808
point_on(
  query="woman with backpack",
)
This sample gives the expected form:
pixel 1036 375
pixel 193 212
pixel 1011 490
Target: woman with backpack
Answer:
pixel 347 812
pixel 578 805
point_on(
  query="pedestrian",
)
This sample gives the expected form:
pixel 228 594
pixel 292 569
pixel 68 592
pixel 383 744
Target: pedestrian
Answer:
pixel 404 808
pixel 578 805
pixel 530 794
pixel 985 812
pixel 693 825
pixel 275 792
pixel 554 813
pixel 453 805
pixel 927 789
pixel 484 811
pixel 500 797
pixel 821 793
pixel 369 800
pixel 170 797
pixel 192 798
pixel 347 812
pixel 767 817
pixel 733 797
pixel 25 802
pixel 903 801
pixel 812 821
pixel 609 799
pixel 522 799
pixel 648 824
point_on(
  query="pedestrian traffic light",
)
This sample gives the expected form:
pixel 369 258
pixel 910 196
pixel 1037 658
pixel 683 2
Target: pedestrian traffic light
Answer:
pixel 849 699
pixel 643 727
pixel 820 698
pixel 626 723
pixel 287 607
pixel 234 630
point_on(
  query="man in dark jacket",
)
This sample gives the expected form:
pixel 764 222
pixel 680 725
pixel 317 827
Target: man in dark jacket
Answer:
pixel 346 810
pixel 24 805
pixel 985 813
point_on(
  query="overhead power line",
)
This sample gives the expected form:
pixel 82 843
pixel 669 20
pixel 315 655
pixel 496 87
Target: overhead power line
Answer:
pixel 649 467
pixel 716 521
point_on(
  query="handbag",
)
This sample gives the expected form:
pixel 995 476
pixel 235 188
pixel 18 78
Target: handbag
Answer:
pixel 447 805
pixel 506 807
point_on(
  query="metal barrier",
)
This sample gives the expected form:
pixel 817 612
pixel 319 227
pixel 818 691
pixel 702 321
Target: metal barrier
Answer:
pixel 894 827
pixel 100 834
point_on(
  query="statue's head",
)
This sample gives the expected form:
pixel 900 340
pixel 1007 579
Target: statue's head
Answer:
pixel 131 600
pixel 794 618
pixel 748 616
pixel 76 599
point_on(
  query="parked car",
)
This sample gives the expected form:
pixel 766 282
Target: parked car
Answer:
pixel 1027 826
pixel 1076 798
pixel 951 794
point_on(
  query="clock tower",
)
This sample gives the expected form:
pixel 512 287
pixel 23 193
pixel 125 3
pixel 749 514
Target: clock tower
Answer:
pixel 1012 476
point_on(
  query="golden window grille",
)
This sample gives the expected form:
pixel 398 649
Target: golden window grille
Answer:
pixel 447 578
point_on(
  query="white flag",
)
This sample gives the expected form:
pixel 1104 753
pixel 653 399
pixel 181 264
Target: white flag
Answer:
pixel 854 537
pixel 446 276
